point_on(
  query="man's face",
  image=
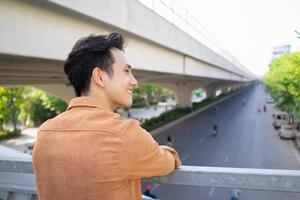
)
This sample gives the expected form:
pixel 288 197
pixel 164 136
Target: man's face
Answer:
pixel 120 86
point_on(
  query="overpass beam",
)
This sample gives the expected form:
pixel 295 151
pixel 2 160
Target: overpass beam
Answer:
pixel 62 91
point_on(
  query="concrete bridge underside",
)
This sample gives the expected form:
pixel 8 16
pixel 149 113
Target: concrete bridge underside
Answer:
pixel 36 37
pixel 48 75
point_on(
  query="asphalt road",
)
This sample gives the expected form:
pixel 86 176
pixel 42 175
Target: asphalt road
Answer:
pixel 246 139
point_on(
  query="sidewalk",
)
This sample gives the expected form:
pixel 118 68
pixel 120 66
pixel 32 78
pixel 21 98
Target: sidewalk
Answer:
pixel 23 142
pixel 11 153
pixel 146 113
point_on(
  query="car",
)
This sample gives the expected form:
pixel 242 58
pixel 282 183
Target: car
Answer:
pixel 287 132
pixel 270 100
pixel 280 118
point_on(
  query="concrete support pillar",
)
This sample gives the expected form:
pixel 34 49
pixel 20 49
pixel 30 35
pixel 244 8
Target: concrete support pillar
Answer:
pixel 183 95
pixel 210 92
pixel 229 88
pixel 234 87
pixel 224 90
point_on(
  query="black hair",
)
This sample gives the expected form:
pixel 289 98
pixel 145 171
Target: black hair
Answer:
pixel 88 53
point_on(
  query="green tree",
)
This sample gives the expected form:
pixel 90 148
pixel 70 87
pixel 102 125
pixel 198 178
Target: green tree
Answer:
pixel 53 103
pixel 283 82
pixel 41 106
pixel 11 99
pixel 149 94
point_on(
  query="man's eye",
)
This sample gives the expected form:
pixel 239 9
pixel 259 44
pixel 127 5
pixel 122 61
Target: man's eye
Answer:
pixel 127 70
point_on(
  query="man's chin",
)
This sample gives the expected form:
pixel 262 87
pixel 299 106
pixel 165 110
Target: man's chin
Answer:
pixel 127 105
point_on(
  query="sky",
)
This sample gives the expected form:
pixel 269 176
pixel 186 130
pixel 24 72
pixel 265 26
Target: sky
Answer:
pixel 249 29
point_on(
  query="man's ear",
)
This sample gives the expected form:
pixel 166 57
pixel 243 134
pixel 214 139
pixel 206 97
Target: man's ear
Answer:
pixel 98 76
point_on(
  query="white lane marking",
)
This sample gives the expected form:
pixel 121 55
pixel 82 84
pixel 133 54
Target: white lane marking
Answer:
pixel 202 140
pixel 185 157
pixel 211 191
pixel 226 159
pixel 296 154
pixel 156 185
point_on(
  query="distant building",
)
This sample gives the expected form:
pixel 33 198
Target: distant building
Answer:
pixel 280 50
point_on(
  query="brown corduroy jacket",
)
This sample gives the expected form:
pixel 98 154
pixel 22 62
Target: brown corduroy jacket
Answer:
pixel 87 153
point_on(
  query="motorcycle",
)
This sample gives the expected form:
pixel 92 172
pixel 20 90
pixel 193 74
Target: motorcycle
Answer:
pixel 214 132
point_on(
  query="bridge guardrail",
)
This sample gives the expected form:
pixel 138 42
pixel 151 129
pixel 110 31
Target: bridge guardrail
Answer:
pixel 17 178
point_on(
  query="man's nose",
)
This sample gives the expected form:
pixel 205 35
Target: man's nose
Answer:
pixel 133 81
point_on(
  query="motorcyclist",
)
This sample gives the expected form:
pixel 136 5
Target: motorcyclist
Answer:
pixel 214 129
pixel 216 109
pixel 170 141
pixel 265 108
pixel 148 192
pixel 234 193
pixel 258 109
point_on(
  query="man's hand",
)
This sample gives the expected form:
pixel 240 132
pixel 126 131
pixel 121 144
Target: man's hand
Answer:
pixel 178 162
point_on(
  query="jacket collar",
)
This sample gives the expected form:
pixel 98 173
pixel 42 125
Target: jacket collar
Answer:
pixel 86 101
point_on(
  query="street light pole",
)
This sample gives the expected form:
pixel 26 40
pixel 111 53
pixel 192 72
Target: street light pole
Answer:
pixel 298 34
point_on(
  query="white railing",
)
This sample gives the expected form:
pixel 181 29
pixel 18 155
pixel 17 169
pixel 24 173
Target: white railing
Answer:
pixel 17 178
pixel 242 178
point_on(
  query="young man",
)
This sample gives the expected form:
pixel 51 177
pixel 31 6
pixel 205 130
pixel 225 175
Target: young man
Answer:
pixel 90 152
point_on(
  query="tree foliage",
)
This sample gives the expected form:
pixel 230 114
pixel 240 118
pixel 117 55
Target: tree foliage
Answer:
pixel 27 104
pixel 149 94
pixel 283 82
pixel 41 106
pixel 11 100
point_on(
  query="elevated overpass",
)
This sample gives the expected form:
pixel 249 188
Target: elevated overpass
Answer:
pixel 36 37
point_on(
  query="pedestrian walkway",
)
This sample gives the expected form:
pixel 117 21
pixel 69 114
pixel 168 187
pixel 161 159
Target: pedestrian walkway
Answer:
pixel 22 143
pixel 146 113
pixel 11 153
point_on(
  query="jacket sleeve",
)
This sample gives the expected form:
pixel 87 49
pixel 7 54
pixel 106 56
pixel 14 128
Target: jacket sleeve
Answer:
pixel 141 156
